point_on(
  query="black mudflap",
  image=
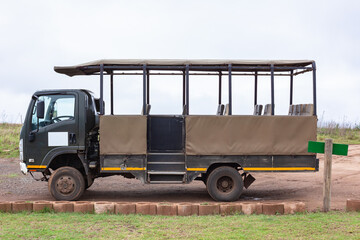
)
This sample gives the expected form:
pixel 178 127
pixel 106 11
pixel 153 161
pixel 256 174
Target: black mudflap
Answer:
pixel 248 180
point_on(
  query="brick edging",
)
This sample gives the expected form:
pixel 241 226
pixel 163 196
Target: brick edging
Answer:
pixel 151 208
pixel 353 205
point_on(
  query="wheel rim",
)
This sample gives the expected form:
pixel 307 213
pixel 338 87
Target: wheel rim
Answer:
pixel 65 185
pixel 225 184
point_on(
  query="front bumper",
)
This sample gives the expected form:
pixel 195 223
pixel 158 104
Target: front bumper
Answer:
pixel 23 168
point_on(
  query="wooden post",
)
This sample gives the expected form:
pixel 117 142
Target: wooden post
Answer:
pixel 327 174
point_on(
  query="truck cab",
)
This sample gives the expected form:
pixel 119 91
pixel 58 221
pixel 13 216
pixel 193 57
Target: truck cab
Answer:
pixel 60 129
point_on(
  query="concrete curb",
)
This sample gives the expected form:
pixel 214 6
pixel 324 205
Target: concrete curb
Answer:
pixel 63 206
pixel 230 209
pixel 145 208
pixel 83 207
pixel 42 205
pixel 252 208
pixel 187 209
pixel 164 208
pixel 5 207
pixel 125 208
pixel 353 205
pixel 273 208
pixel 294 207
pixel 21 206
pixel 209 209
pixel 104 207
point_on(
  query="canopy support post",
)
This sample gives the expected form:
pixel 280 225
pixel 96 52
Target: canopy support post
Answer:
pixel 112 92
pixel 314 86
pixel 291 86
pixel 148 87
pixel 184 86
pixel 144 89
pixel 220 85
pixel 256 88
pixel 272 90
pixel 187 68
pixel 101 89
pixel 230 90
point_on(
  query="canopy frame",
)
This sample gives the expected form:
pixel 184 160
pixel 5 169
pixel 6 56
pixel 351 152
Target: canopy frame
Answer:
pixel 188 67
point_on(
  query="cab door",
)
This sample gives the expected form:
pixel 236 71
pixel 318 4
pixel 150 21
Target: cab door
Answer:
pixel 54 134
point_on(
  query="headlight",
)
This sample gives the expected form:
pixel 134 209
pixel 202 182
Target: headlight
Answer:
pixel 21 147
pixel 21 142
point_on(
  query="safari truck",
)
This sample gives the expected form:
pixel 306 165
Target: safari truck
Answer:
pixel 68 138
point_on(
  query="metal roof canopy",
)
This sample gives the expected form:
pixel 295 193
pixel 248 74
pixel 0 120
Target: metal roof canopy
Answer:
pixel 182 67
pixel 208 65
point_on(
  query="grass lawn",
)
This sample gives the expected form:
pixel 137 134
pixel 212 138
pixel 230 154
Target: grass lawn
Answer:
pixel 9 140
pixel 333 225
pixel 339 135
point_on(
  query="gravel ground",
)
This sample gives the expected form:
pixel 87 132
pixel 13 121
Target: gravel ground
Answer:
pixel 274 187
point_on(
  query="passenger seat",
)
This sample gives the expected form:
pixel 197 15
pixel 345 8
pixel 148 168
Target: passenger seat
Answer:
pixel 258 110
pixel 291 110
pixel 227 109
pixel 267 110
pixel 301 110
pixel 220 109
pixel 308 110
pixel 147 110
pixel 184 112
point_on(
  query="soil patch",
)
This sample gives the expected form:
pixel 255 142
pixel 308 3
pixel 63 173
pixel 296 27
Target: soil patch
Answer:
pixel 274 187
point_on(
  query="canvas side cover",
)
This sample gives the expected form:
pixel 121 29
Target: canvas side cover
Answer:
pixel 249 135
pixel 122 135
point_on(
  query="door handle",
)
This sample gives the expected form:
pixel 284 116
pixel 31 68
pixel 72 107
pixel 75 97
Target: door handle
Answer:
pixel 72 138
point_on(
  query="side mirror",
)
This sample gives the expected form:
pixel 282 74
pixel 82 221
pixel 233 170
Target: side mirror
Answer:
pixel 40 109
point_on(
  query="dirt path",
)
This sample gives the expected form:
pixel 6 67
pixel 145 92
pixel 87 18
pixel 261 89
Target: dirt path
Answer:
pixel 275 187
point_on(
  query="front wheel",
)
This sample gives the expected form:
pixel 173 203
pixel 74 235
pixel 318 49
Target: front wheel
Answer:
pixel 66 183
pixel 225 184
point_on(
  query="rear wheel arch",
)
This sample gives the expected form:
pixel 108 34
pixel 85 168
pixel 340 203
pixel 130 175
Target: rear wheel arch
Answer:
pixel 214 166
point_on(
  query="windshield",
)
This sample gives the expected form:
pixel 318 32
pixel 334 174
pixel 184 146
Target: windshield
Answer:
pixel 57 108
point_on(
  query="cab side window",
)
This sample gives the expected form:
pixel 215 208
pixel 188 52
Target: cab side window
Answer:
pixel 58 108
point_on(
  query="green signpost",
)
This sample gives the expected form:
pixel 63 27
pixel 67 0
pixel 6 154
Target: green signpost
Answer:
pixel 319 147
pixel 328 148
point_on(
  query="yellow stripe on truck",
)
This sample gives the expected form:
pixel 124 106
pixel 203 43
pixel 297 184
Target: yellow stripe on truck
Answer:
pixel 111 169
pixel 280 169
pixel 36 166
pixel 197 169
pixel 119 169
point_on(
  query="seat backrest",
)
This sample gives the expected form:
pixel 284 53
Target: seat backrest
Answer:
pixel 297 110
pixel 220 109
pixel 184 112
pixel 258 109
pixel 147 110
pixel 291 110
pixel 307 110
pixel 267 110
pixel 227 109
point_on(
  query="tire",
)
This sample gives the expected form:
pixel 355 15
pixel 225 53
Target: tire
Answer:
pixel 67 184
pixel 225 184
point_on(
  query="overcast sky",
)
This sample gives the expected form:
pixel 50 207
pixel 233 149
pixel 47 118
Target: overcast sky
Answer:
pixel 38 35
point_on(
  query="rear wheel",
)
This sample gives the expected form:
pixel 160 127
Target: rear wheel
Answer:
pixel 225 184
pixel 66 183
